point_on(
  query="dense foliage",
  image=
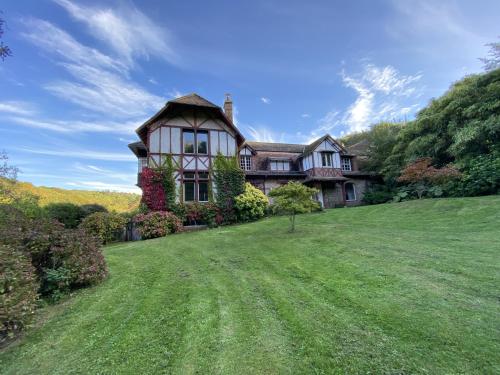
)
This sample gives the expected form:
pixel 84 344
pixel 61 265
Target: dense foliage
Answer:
pixel 251 204
pixel 68 214
pixel 106 226
pixel 292 199
pixel 157 224
pixel 18 291
pixel 89 209
pixel 158 186
pixel 461 128
pixel 229 181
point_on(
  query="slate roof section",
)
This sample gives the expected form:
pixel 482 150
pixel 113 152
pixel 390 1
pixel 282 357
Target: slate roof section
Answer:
pixel 276 147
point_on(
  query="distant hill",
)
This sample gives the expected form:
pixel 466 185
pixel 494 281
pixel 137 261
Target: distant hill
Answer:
pixel 119 202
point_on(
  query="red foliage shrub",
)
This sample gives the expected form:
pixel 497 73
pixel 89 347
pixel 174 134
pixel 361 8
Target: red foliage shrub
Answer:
pixel 157 224
pixel 153 192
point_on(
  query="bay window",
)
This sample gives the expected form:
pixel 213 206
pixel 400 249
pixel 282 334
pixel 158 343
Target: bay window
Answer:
pixel 188 141
pixel 202 142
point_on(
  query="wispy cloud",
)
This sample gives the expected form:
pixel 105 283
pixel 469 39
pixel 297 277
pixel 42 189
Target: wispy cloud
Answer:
pixel 265 100
pixel 383 93
pixel 83 154
pixel 174 93
pixel 263 133
pixel 305 115
pixel 17 108
pixel 103 186
pixel 128 31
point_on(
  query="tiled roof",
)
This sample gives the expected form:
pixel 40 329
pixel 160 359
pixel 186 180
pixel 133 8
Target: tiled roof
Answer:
pixel 194 99
pixel 276 147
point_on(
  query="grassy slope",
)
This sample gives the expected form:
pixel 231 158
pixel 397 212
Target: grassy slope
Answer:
pixel 399 288
pixel 113 201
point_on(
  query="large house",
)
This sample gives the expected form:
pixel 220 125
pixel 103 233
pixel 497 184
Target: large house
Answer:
pixel 193 131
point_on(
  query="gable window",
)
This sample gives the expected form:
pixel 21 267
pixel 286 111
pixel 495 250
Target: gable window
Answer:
pixel 188 141
pixel 202 142
pixel 326 159
pixel 245 162
pixel 346 164
pixel 280 165
pixel 350 192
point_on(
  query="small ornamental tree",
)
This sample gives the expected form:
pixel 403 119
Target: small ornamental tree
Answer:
pixel 68 214
pixel 251 204
pixel 420 174
pixel 292 199
pixel 229 181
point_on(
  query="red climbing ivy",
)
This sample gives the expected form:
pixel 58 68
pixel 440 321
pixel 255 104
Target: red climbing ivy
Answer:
pixel 153 193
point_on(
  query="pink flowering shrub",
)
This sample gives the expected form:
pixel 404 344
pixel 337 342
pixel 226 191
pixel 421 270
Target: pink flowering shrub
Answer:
pixel 157 224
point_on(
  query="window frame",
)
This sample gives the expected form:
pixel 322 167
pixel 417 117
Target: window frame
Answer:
pixel 197 142
pixel 184 132
pixel 246 162
pixel 329 158
pixel 353 191
pixel 344 164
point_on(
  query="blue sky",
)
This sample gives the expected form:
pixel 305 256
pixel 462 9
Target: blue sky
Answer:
pixel 85 74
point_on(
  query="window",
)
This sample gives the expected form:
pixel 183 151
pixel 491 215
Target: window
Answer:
pixel 350 192
pixel 188 140
pixel 326 159
pixel 195 190
pixel 280 165
pixel 245 162
pixel 203 191
pixel 143 163
pixel 189 191
pixel 346 164
pixel 202 142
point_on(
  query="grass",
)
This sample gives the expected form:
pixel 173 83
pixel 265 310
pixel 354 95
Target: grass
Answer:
pixel 397 288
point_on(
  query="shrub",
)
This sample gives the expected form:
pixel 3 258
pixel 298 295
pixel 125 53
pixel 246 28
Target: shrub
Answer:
pixel 13 225
pixel 203 213
pixel 378 194
pixel 18 291
pixel 68 214
pixel 251 204
pixel 157 224
pixel 107 227
pixel 64 258
pixel 482 175
pixel 89 209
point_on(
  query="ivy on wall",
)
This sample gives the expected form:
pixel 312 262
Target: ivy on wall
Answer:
pixel 229 180
pixel 158 186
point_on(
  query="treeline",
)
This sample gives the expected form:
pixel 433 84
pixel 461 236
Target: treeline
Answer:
pixel 456 137
pixel 112 201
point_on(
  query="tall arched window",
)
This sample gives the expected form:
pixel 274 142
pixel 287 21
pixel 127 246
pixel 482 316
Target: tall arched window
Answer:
pixel 350 192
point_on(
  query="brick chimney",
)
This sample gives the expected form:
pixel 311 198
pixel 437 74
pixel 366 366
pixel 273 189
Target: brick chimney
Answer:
pixel 228 107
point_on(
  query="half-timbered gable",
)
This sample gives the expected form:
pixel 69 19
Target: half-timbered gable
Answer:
pixel 193 131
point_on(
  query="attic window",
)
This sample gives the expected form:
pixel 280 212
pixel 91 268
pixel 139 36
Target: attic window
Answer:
pixel 346 164
pixel 326 159
pixel 280 165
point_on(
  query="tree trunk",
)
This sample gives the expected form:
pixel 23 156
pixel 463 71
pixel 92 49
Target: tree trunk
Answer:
pixel 292 223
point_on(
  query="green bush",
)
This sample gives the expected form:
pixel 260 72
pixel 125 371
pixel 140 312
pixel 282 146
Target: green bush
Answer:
pixel 89 209
pixel 378 194
pixel 18 292
pixel 68 214
pixel 107 227
pixel 157 224
pixel 251 204
pixel 482 175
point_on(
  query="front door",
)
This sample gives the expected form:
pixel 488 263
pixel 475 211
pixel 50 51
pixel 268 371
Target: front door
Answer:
pixel 328 194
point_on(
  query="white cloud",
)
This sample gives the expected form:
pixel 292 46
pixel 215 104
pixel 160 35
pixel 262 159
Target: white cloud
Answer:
pixel 17 108
pixel 265 100
pixel 262 133
pixel 382 94
pixel 104 186
pixel 63 126
pixel 174 93
pixel 83 154
pixel 305 115
pixel 128 31
pixel 153 81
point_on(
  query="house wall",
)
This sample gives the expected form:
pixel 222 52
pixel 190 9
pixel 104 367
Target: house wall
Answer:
pixel 361 185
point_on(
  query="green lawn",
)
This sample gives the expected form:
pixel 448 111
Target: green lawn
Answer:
pixel 397 288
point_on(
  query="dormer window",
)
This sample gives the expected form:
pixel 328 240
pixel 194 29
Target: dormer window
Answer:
pixel 326 160
pixel 246 162
pixel 280 165
pixel 346 164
